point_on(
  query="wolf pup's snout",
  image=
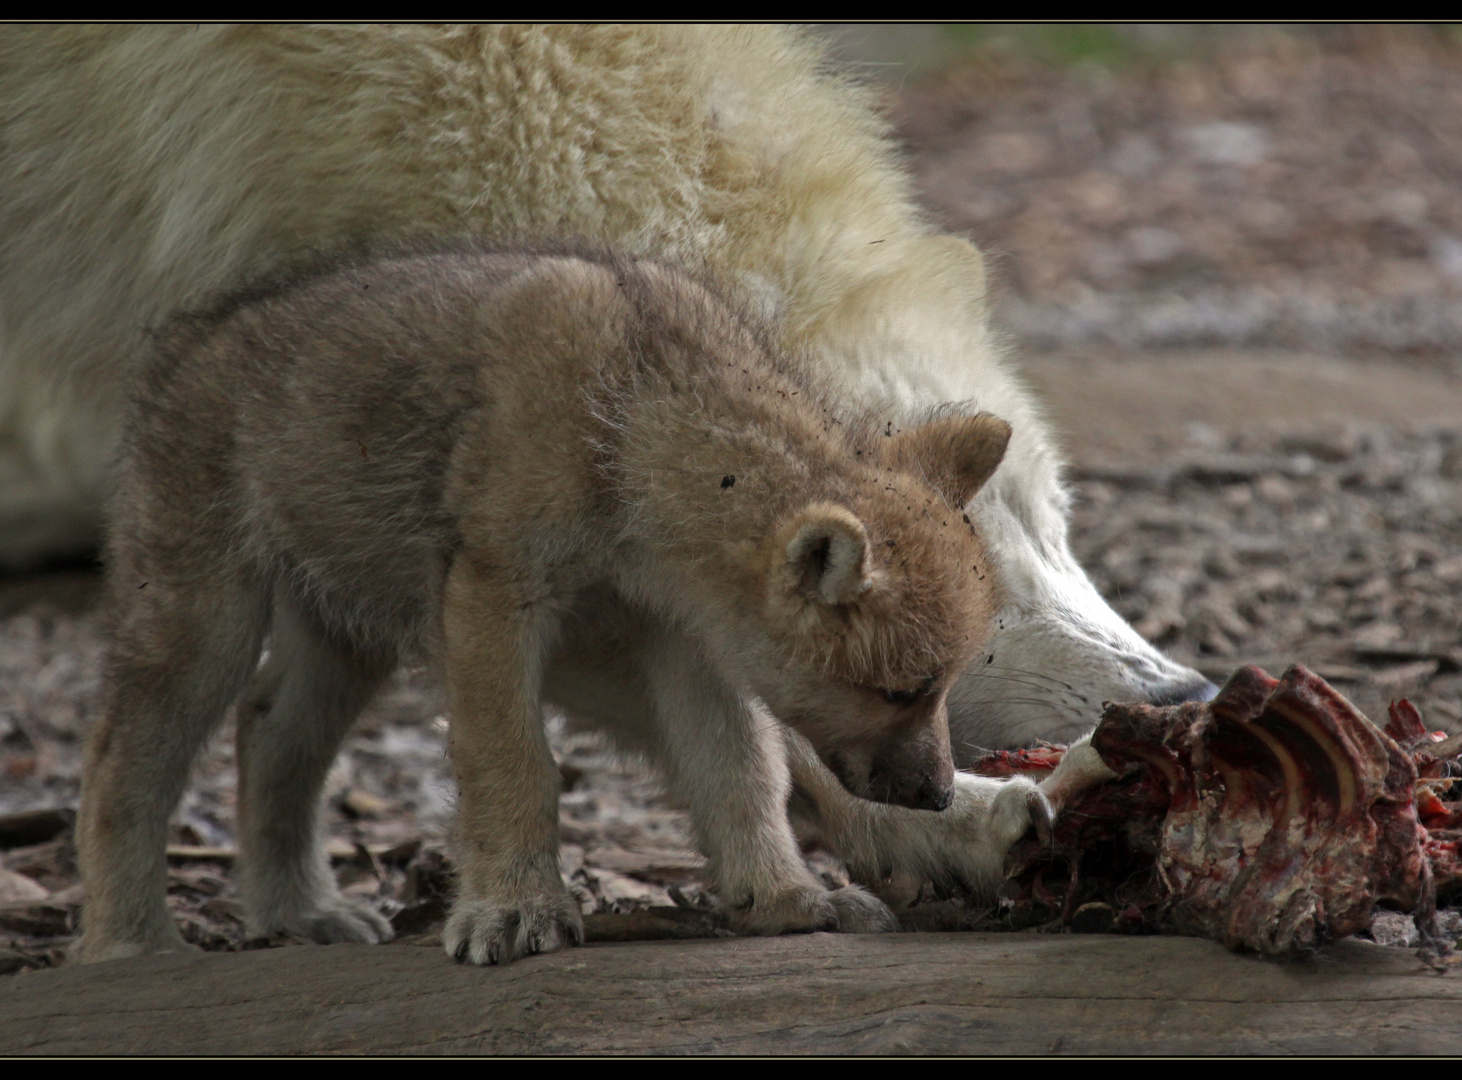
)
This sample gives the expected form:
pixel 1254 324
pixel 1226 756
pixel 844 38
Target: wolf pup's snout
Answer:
pixel 918 792
pixel 911 767
pixel 915 768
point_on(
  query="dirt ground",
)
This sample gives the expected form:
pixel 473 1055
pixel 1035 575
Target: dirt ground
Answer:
pixel 1236 284
pixel 1295 189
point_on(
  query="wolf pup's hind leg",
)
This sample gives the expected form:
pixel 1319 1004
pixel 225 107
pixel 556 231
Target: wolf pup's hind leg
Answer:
pixel 289 730
pixel 183 651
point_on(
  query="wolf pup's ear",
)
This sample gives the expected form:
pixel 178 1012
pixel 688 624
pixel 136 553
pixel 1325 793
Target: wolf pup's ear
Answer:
pixel 954 454
pixel 827 554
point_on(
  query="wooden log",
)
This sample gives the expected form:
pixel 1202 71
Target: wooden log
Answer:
pixel 655 924
pixel 811 994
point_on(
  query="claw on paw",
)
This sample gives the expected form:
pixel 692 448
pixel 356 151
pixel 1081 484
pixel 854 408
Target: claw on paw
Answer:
pixel 849 910
pixel 483 932
pixel 1020 806
pixel 349 921
pixel 860 912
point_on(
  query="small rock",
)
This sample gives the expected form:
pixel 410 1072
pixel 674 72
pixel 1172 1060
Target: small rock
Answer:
pixel 1225 142
pixel 1404 676
pixel 1328 446
pixel 1451 464
pixel 17 888
pixel 1377 635
pixel 1275 490
pixel 1135 156
pixel 1152 246
pixel 1403 207
pixel 1446 256
pixel 1394 928
pixel 362 804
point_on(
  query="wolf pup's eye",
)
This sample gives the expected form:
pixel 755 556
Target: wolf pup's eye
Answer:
pixel 908 697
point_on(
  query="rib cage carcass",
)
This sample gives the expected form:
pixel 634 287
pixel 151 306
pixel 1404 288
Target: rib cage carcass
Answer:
pixel 1274 817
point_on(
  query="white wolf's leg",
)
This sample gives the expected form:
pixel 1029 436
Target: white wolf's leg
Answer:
pixel 180 657
pixel 54 451
pixel 1081 767
pixel 965 844
pixel 512 900
pixel 725 757
pixel 289 730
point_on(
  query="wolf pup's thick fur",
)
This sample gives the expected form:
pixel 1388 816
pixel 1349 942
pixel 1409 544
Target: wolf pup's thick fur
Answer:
pixel 562 477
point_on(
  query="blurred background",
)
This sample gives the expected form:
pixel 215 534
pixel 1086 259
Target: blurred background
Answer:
pixel 1230 259
pixel 1150 186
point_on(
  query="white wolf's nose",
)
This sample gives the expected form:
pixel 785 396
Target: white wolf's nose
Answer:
pixel 1177 693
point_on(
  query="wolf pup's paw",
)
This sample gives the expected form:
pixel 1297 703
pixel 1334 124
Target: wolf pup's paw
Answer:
pixel 484 932
pixel 344 920
pixel 785 911
pixel 860 912
pixel 95 949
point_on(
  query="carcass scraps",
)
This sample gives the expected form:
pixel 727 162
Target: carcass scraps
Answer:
pixel 1275 817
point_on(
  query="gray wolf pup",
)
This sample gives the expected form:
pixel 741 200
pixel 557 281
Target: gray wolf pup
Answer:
pixel 563 478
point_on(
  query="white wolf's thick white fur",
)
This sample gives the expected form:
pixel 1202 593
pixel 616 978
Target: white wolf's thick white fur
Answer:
pixel 144 168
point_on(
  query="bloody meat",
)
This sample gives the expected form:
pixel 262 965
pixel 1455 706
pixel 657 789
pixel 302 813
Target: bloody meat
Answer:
pixel 1274 817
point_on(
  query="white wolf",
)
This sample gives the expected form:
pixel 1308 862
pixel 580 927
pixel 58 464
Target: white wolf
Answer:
pixel 144 168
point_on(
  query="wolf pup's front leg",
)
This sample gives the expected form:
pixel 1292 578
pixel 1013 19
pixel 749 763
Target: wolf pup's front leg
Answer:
pixel 725 757
pixel 511 900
